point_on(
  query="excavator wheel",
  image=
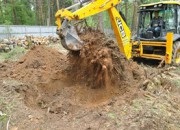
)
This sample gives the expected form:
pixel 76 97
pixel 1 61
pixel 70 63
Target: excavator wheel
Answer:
pixel 176 53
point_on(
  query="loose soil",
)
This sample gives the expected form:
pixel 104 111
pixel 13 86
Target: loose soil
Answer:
pixel 97 72
pixel 96 88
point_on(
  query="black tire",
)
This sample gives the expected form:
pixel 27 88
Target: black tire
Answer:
pixel 176 54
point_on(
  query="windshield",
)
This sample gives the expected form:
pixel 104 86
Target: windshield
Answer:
pixel 144 20
pixel 156 23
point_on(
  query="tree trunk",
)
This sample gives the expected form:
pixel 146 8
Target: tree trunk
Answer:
pixel 126 9
pixel 49 15
pixel 57 3
pixel 14 13
pixel 135 17
pixel 100 22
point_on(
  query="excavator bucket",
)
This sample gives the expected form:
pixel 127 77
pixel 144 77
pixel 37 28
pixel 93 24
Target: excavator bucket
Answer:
pixel 69 37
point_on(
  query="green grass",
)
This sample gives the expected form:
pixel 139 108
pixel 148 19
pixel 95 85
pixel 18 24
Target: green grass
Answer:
pixel 178 69
pixel 3 119
pixel 176 82
pixel 6 108
pixel 14 54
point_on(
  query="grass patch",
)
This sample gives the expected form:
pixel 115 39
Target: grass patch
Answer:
pixel 176 82
pixel 178 69
pixel 6 108
pixel 3 119
pixel 14 54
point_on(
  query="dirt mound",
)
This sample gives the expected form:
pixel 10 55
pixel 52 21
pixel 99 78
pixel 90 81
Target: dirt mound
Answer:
pixel 59 78
pixel 39 65
pixel 100 63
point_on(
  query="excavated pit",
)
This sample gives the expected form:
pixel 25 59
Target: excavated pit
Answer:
pixel 90 77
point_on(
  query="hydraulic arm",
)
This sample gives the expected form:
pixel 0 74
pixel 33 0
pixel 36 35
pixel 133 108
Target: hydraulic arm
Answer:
pixel 68 34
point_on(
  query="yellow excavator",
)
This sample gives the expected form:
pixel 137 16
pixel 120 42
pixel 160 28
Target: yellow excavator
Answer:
pixel 164 46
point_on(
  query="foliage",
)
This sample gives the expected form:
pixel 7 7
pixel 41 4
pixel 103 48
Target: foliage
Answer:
pixel 29 12
pixel 14 54
pixel 65 3
pixel 41 12
pixel 16 12
pixel 148 1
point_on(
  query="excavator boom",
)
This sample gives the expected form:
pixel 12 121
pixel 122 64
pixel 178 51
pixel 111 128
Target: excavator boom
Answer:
pixel 69 37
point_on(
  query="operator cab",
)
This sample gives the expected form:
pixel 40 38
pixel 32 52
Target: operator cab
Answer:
pixel 169 21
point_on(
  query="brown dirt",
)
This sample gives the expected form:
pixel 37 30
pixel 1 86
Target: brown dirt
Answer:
pixel 100 63
pixel 90 89
pixel 38 65
pixel 90 77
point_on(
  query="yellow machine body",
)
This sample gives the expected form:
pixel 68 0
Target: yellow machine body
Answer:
pixel 138 52
pixel 122 32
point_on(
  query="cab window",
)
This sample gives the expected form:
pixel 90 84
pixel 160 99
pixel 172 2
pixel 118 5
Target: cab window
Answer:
pixel 170 19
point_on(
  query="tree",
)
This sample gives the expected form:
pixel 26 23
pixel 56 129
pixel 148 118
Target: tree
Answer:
pixel 16 12
pixel 30 12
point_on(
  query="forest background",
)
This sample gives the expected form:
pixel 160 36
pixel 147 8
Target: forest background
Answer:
pixel 42 12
